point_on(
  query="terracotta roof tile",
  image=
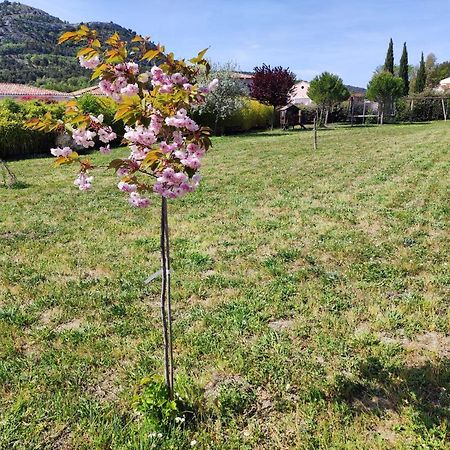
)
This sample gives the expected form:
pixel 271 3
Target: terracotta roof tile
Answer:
pixel 12 89
pixel 94 90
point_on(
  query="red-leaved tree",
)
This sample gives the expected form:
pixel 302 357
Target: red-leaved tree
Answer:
pixel 272 86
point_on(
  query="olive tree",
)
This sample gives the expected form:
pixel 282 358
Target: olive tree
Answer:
pixel 327 90
pixel 384 88
pixel 228 96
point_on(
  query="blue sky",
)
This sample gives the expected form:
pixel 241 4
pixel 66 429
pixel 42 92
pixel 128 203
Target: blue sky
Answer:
pixel 349 38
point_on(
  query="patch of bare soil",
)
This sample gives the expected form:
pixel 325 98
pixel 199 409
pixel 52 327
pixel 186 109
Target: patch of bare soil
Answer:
pixel 281 325
pixel 74 324
pixel 386 429
pixel 422 346
pixel 48 316
pixel 107 388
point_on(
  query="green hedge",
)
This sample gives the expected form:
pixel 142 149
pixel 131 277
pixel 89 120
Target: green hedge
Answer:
pixel 424 109
pixel 253 115
pixel 16 141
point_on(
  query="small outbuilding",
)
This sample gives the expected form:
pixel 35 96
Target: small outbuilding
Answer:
pixel 289 116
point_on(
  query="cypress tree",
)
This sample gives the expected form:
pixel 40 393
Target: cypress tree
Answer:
pixel 403 70
pixel 389 62
pixel 421 79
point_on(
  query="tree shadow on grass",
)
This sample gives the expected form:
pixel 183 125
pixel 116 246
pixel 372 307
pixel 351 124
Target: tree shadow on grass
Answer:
pixel 425 388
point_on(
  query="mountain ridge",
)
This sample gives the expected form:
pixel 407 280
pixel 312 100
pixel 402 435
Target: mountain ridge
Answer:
pixel 29 53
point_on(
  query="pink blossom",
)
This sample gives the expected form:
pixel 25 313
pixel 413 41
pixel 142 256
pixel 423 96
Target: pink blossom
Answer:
pixel 181 120
pixel 123 171
pixel 177 78
pixel 178 137
pixel 106 87
pixel 191 161
pixel 166 88
pixel 140 135
pixel 84 137
pixel 156 72
pixel 187 87
pixel 130 89
pixel 165 147
pixel 156 123
pixel 106 134
pixel 83 181
pixel 138 201
pixel 138 153
pixel 126 187
pixel 133 68
pixel 91 63
pixel 66 151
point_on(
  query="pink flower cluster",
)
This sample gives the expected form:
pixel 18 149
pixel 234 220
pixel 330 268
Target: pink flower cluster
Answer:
pixel 120 85
pixel 181 120
pixel 140 139
pixel 169 134
pixel 66 151
pixel 190 156
pixel 171 184
pixel 138 201
pixel 83 181
pixel 91 63
pixel 167 83
pixel 84 137
pixel 106 134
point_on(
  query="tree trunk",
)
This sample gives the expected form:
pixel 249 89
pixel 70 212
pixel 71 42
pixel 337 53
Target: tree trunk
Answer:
pixel 326 116
pixel 273 118
pixel 166 311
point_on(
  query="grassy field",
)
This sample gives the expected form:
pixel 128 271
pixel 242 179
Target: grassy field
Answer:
pixel 311 295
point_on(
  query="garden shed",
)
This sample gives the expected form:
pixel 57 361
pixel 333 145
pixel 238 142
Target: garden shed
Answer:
pixel 289 116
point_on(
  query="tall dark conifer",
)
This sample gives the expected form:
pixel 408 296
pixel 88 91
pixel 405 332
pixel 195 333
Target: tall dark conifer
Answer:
pixel 389 62
pixel 421 79
pixel 403 70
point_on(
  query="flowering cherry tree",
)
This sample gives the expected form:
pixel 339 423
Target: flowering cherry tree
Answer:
pixel 166 145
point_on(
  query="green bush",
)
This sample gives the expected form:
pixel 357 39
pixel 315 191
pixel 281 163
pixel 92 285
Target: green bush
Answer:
pixel 101 105
pixel 253 115
pixel 424 109
pixel 16 141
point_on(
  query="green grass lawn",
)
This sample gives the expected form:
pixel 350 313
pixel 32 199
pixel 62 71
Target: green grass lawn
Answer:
pixel 311 295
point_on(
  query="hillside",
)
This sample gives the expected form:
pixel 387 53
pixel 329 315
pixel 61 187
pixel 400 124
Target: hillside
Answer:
pixel 28 50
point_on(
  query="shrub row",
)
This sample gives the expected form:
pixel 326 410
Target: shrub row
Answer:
pixel 16 141
pixel 253 115
pixel 425 108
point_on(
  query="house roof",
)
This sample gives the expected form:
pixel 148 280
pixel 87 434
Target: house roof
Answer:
pixel 242 76
pixel 445 81
pixel 94 90
pixel 23 90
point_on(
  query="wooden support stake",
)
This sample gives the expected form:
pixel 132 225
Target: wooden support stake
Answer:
pixel 444 109
pixel 315 133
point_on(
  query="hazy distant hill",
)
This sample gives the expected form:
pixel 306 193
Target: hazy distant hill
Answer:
pixel 28 50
